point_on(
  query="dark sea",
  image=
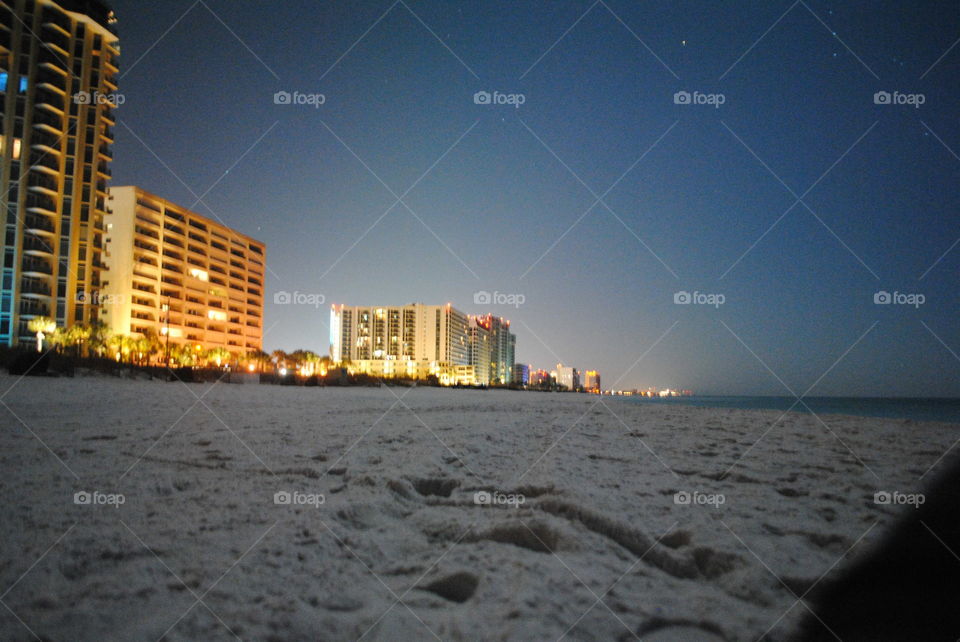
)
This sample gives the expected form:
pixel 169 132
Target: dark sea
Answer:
pixel 918 409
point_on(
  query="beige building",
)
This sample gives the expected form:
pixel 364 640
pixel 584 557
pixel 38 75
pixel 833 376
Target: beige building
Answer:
pixel 413 340
pixel 58 74
pixel 179 274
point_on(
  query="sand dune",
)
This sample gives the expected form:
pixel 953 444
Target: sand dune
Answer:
pixel 383 537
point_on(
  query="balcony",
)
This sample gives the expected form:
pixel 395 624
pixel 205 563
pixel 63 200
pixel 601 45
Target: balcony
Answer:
pixel 36 246
pixel 43 184
pixel 34 267
pixel 30 308
pixel 48 123
pixel 39 224
pixel 33 288
pixel 41 203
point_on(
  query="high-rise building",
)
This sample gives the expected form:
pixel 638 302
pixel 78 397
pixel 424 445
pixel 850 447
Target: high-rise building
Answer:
pixel 591 381
pixel 539 378
pixel 492 348
pixel 521 374
pixel 567 376
pixel 58 66
pixel 419 340
pixel 481 349
pixel 186 278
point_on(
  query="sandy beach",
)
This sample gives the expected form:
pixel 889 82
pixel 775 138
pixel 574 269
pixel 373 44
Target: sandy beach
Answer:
pixel 415 513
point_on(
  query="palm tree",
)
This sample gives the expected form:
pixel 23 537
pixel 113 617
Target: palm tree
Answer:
pixel 182 355
pixel 75 336
pixel 99 337
pixel 258 357
pixel 42 326
pixel 279 358
pixel 308 362
pixel 219 356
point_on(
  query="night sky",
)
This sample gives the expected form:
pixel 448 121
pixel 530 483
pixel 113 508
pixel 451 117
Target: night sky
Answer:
pixel 597 199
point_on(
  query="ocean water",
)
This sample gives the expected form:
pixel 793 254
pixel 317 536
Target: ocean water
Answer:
pixel 918 409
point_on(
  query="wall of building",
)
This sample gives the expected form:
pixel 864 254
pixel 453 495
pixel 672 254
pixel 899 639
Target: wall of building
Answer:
pixel 58 69
pixel 176 273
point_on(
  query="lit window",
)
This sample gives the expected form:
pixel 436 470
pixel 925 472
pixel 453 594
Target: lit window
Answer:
pixel 15 150
pixel 3 80
pixel 217 315
pixel 23 84
pixel 199 274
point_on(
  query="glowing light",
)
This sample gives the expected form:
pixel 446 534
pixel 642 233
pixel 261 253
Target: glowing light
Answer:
pixel 199 274
pixel 283 372
pixel 251 367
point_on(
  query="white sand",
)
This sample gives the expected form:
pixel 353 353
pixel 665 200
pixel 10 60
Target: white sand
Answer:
pixel 199 478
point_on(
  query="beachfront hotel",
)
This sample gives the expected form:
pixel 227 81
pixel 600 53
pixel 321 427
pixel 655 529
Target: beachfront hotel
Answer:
pixel 188 279
pixel 58 90
pixel 566 376
pixel 492 349
pixel 591 381
pixel 418 341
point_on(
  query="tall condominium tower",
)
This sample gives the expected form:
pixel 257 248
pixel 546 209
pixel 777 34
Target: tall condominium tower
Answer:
pixel 492 348
pixel 413 340
pixel 181 276
pixel 57 90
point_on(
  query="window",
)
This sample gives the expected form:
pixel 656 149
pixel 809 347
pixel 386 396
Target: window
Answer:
pixel 15 150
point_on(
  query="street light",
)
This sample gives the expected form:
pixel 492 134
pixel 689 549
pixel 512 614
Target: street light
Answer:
pixel 166 332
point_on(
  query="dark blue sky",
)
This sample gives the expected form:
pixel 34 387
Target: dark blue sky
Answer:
pixel 705 206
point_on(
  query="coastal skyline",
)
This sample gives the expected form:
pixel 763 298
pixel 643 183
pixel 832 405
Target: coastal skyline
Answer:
pixel 798 198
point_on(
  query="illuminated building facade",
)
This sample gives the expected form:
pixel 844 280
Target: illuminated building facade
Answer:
pixel 492 348
pixel 419 340
pixel 567 376
pixel 58 67
pixel 591 381
pixel 186 278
